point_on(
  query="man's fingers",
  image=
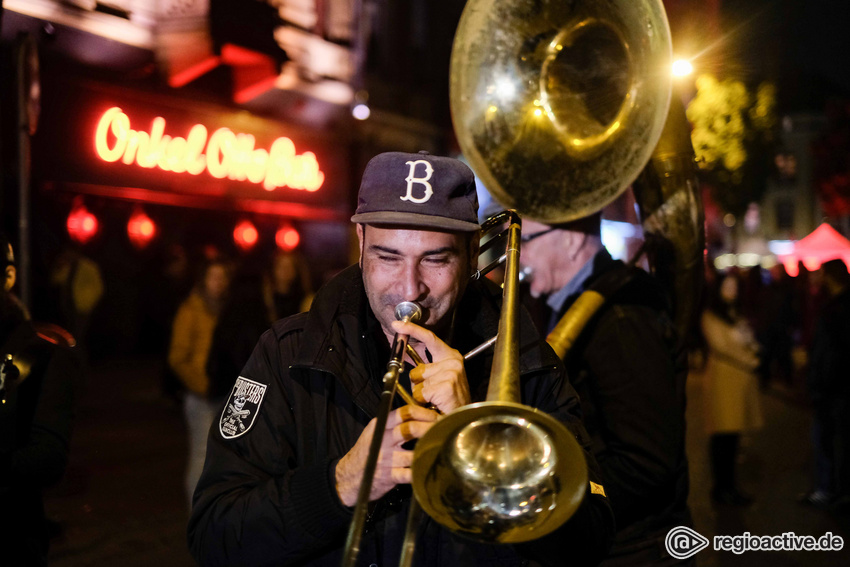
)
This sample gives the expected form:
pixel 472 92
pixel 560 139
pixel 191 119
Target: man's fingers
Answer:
pixel 416 413
pixel 432 342
pixel 410 430
pixel 429 392
pixel 402 458
pixel 419 392
pixel 445 369
pixel 402 475
pixel 409 413
pixel 446 390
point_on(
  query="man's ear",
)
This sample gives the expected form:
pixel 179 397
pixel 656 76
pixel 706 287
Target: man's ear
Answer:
pixel 11 274
pixel 572 243
pixel 361 238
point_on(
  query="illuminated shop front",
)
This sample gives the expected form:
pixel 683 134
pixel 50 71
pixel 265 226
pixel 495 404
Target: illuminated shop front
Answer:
pixel 126 175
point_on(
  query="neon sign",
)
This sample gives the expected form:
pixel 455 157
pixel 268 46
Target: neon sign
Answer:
pixel 224 154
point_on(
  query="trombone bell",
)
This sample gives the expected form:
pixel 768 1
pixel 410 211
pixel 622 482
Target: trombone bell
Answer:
pixel 499 472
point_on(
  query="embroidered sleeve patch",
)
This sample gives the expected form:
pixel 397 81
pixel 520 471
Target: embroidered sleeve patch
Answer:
pixel 597 489
pixel 242 408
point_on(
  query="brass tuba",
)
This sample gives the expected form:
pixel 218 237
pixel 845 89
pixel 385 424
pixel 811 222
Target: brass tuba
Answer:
pixel 558 104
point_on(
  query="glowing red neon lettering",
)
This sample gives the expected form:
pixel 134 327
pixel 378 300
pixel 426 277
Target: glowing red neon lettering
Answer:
pixel 225 155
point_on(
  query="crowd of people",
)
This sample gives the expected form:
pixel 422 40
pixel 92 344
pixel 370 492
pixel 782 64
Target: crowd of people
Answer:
pixel 763 330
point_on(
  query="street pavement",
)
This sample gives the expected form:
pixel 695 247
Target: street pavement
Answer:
pixel 775 467
pixel 122 500
pixel 122 504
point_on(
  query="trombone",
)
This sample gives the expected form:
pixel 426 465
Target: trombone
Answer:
pixel 407 312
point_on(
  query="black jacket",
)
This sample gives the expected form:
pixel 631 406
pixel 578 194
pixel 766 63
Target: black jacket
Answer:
pixel 631 382
pixel 35 429
pixel 267 494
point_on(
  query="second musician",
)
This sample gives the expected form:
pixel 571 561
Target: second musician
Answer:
pixel 631 381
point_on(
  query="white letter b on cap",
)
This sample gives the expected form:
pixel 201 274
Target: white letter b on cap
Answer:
pixel 411 179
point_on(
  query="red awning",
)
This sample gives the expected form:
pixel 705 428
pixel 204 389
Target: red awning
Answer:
pixel 823 244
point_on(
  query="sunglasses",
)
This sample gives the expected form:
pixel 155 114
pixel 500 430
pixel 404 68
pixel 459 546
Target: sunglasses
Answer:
pixel 529 237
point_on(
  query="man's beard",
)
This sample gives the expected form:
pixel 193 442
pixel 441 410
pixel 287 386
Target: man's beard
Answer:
pixel 441 327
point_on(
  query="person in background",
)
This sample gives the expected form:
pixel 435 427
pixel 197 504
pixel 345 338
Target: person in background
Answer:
pixel 828 384
pixel 777 318
pixel 79 285
pixel 191 339
pixel 286 459
pixel 37 389
pixel 630 379
pixel 731 386
pixel 809 287
pixel 286 288
pixel 170 286
pixel 254 304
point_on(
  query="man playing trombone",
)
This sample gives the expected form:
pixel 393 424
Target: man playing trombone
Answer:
pixel 281 490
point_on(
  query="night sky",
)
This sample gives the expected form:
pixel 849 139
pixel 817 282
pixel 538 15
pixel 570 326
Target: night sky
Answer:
pixel 802 45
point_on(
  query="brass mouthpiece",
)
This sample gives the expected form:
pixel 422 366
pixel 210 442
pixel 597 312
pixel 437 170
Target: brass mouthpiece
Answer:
pixel 408 312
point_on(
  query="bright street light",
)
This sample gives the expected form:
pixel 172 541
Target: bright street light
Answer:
pixel 682 68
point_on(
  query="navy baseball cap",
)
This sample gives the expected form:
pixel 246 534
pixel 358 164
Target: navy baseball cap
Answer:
pixel 418 190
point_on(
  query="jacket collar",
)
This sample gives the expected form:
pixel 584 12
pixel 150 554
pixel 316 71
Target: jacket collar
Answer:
pixel 336 305
pixel 599 264
pixel 334 339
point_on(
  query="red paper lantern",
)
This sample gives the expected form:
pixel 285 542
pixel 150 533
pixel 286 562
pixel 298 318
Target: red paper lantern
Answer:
pixel 287 238
pixel 245 235
pixel 140 229
pixel 82 225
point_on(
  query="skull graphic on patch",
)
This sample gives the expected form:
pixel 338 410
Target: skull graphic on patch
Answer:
pixel 242 407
